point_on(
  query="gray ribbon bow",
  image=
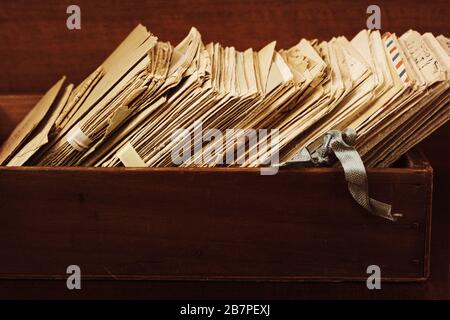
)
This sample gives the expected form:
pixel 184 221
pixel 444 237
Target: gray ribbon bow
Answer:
pixel 339 145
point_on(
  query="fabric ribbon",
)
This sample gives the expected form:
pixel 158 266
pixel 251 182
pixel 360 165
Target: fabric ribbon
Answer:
pixel 339 145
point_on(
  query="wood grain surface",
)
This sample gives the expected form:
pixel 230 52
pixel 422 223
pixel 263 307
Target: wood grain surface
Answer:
pixel 210 224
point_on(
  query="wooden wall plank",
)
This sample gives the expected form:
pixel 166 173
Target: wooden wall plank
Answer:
pixel 37 48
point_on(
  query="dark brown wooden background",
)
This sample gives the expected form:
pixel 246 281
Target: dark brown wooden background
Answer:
pixel 36 48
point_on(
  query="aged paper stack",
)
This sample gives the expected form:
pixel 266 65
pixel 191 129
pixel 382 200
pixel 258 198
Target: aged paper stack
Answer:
pixel 393 90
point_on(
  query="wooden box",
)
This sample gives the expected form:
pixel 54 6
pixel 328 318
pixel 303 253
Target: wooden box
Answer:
pixel 208 224
pixel 37 48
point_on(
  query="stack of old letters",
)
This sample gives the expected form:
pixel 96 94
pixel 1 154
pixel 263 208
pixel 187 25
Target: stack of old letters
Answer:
pixel 154 104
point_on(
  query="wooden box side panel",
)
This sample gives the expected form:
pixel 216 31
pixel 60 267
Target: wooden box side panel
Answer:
pixel 209 224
